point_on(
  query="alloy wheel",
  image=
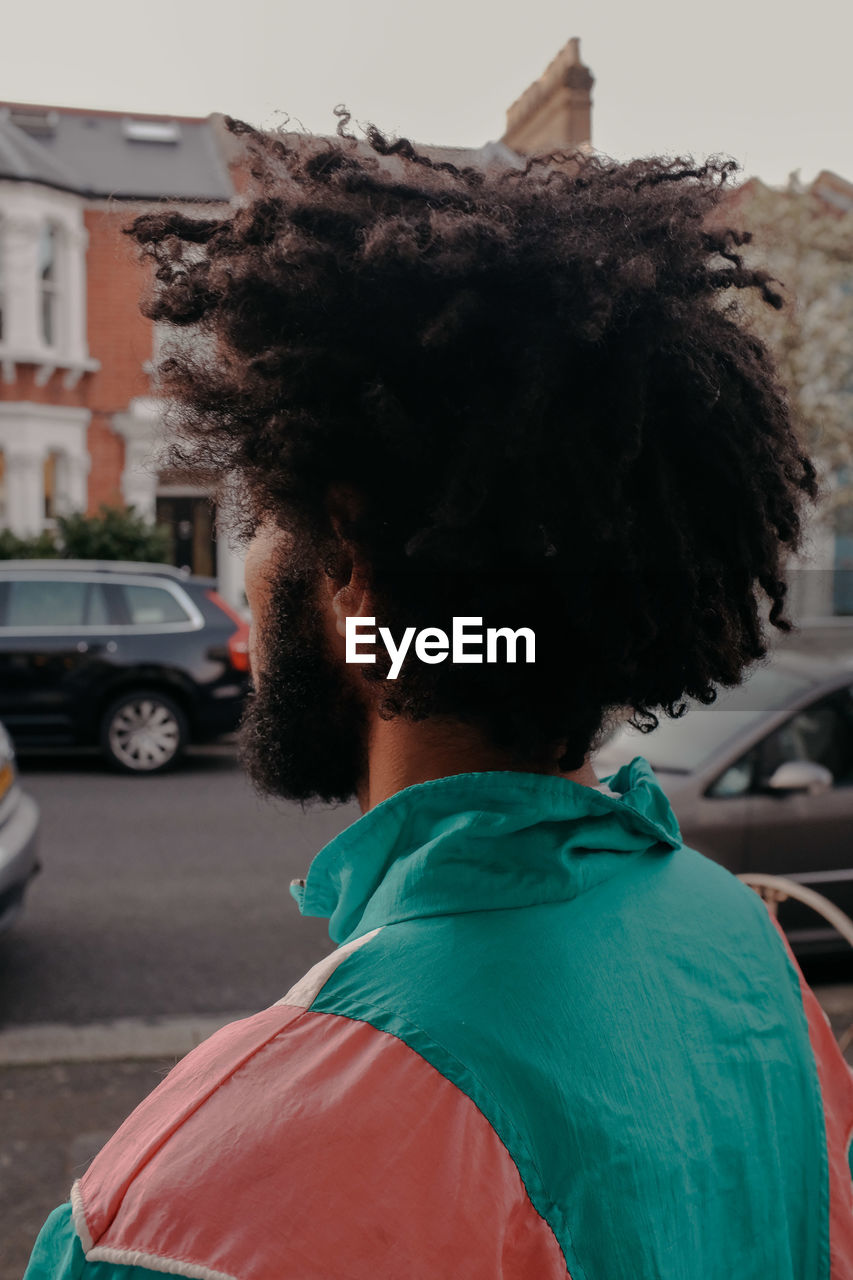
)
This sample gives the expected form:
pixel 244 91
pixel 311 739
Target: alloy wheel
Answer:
pixel 144 734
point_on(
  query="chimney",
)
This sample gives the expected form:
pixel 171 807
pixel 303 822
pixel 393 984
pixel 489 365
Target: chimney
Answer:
pixel 555 113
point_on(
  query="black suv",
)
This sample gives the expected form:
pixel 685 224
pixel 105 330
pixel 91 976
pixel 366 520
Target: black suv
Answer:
pixel 140 658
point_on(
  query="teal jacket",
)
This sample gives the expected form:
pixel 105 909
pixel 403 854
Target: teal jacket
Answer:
pixel 552 1042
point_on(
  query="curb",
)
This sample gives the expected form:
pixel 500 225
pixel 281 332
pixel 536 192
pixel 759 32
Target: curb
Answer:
pixel 122 1038
pixel 138 1039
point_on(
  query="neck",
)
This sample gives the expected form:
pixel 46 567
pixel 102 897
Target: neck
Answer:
pixel 401 754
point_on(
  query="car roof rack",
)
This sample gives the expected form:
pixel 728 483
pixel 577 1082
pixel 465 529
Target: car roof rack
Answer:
pixel 101 566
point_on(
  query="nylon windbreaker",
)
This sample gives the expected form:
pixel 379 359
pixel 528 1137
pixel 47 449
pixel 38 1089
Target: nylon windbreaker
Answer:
pixel 552 1042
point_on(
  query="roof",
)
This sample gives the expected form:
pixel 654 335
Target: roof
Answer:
pixel 834 191
pixel 150 157
pixel 491 154
pixel 111 154
pixel 23 160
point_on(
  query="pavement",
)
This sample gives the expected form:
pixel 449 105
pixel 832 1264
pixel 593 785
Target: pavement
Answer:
pixel 64 1090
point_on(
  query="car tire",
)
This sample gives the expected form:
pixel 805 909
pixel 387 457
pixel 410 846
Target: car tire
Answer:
pixel 143 732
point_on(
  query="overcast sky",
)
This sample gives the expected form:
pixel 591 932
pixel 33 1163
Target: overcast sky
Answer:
pixel 764 82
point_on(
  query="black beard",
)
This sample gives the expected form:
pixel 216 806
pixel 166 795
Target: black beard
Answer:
pixel 303 734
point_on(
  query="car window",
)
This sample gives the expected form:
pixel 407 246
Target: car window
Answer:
pixel 821 733
pixel 97 614
pixel 46 602
pixel 739 779
pixel 146 606
pixel 683 745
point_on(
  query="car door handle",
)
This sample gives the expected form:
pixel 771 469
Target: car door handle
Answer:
pixel 84 646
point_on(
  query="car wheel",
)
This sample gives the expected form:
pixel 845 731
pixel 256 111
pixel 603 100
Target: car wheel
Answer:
pixel 143 732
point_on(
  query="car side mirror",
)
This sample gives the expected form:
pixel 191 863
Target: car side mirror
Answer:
pixel 800 775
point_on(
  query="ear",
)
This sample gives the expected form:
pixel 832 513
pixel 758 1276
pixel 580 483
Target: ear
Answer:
pixel 353 599
pixel 349 585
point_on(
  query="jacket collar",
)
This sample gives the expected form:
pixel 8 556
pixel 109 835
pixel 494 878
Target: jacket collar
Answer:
pixel 483 841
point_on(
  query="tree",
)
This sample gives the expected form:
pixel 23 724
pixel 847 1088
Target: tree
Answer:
pixel 808 247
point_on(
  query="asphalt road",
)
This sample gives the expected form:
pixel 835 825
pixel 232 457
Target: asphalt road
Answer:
pixel 160 896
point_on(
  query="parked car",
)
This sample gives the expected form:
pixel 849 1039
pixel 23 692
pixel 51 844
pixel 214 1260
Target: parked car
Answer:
pixel 19 819
pixel 762 780
pixel 139 658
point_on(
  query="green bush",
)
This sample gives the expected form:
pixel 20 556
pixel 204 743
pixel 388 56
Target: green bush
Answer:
pixel 41 547
pixel 115 533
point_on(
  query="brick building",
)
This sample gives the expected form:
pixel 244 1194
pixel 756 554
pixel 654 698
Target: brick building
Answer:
pixel 79 419
pixel 79 423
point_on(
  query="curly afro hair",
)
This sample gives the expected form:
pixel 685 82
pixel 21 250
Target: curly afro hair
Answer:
pixel 539 385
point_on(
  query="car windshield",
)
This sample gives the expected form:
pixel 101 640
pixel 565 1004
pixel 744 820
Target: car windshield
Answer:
pixel 684 745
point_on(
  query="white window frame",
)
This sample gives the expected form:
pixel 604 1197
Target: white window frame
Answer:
pixel 26 208
pixel 28 432
pixel 51 287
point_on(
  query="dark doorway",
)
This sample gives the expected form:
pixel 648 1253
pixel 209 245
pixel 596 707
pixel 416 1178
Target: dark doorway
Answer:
pixel 191 521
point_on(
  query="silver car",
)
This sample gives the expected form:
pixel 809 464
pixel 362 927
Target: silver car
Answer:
pixel 19 819
pixel 762 780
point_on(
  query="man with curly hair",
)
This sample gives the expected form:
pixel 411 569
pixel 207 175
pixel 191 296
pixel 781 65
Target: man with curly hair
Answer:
pixel 552 1040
